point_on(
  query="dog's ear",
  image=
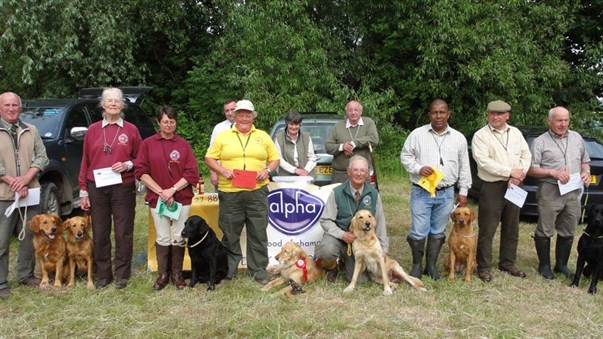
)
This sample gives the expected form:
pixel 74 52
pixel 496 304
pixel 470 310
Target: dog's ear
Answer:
pixel 453 215
pixel 57 221
pixel 65 224
pixel 34 224
pixel 473 215
pixel 88 223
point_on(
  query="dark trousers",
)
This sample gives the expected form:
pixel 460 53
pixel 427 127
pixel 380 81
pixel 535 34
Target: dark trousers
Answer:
pixel 249 209
pixel 495 209
pixel 113 204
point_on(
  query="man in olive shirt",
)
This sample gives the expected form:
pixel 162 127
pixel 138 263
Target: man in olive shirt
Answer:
pixel 503 158
pixel 356 135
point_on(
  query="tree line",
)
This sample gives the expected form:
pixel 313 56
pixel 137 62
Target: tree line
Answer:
pixel 314 55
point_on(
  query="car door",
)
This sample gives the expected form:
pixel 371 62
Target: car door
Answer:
pixel 76 117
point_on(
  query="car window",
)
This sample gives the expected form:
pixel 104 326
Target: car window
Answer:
pixel 595 149
pixel 76 118
pixel 44 118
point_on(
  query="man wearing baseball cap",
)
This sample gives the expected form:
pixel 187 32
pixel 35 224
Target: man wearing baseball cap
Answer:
pixel 503 159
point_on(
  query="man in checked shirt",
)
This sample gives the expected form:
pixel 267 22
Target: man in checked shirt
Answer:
pixel 434 146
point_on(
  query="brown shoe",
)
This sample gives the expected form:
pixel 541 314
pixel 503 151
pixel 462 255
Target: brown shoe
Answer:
pixel 121 284
pixel 513 271
pixel 485 276
pixel 162 280
pixel 31 281
pixel 332 275
pixel 178 280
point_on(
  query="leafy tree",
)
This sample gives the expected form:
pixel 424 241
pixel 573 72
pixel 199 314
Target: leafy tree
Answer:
pixel 52 48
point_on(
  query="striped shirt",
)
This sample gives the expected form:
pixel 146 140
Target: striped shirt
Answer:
pixel 447 152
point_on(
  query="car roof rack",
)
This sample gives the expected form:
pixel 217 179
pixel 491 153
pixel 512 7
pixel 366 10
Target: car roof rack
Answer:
pixel 131 93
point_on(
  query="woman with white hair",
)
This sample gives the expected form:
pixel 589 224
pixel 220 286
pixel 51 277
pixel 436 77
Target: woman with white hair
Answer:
pixel 107 188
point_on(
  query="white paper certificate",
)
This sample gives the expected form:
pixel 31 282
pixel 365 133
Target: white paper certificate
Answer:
pixel 32 199
pixel 516 195
pixel 574 183
pixel 106 177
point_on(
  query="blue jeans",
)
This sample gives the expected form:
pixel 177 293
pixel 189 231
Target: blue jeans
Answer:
pixel 430 215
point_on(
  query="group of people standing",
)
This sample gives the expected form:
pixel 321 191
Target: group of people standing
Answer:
pixel 242 158
pixel 503 159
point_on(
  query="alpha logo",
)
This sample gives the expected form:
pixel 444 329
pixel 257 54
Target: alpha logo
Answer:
pixel 293 211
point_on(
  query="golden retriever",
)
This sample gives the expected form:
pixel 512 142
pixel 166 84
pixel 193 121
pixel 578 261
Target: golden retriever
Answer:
pixel 370 256
pixel 462 243
pixel 49 246
pixel 295 269
pixel 79 249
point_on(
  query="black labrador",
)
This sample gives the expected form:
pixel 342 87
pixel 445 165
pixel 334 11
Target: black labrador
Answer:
pixel 590 250
pixel 208 256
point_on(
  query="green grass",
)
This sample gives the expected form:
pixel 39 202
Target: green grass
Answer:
pixel 506 307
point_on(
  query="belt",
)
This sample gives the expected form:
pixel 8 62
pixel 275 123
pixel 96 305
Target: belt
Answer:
pixel 437 189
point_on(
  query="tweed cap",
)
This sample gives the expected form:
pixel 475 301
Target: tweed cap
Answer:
pixel 498 106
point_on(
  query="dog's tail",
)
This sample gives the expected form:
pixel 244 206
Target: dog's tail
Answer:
pixel 409 279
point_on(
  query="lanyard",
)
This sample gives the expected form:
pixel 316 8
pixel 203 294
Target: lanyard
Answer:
pixel 244 147
pixel 433 133
pixel 564 152
pixel 506 144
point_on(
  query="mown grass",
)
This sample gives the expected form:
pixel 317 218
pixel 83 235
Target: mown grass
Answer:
pixel 506 307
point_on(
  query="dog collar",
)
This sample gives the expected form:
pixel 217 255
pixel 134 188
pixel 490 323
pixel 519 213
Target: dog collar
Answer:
pixel 599 237
pixel 301 264
pixel 200 241
pixel 464 236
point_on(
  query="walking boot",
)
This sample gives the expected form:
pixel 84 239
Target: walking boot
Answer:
pixel 563 249
pixel 417 248
pixel 331 267
pixel 177 259
pixel 431 259
pixel 543 249
pixel 163 257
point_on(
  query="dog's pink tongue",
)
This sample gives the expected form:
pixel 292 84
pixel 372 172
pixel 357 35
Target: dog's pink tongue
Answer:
pixel 51 236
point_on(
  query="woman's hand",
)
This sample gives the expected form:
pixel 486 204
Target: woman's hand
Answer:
pixel 85 203
pixel 167 194
pixel 119 167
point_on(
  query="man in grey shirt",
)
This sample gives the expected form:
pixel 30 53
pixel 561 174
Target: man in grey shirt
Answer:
pixel 557 155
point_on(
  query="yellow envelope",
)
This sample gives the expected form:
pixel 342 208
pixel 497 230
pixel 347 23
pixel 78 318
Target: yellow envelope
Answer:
pixel 430 182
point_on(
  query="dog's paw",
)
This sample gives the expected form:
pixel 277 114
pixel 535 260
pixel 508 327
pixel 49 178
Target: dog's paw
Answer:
pixel 211 287
pixel 349 289
pixel 387 291
pixel 265 288
pixel 451 278
pixel 43 283
pixel 592 290
pixel 90 285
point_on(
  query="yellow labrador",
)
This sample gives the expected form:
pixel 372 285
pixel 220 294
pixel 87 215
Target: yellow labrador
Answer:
pixel 370 256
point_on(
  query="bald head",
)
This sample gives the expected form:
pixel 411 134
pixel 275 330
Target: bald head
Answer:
pixel 10 107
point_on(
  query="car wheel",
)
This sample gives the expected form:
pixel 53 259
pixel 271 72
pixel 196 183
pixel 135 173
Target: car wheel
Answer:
pixel 49 198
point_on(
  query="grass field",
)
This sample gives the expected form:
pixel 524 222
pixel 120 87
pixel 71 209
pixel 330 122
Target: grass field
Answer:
pixel 506 307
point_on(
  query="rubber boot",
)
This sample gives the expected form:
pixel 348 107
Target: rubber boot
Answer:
pixel 163 258
pixel 417 248
pixel 433 251
pixel 177 259
pixel 563 249
pixel 543 249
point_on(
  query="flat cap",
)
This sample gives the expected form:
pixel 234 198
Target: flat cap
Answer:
pixel 498 106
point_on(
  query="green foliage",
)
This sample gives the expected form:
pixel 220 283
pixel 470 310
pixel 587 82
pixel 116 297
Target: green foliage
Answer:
pixel 54 47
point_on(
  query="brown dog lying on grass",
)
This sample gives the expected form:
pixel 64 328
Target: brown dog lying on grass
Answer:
pixel 79 249
pixel 49 246
pixel 462 243
pixel 295 269
pixel 369 255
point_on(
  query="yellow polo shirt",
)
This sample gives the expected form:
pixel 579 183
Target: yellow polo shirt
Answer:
pixel 237 151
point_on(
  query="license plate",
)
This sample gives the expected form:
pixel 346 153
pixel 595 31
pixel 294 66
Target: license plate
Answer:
pixel 593 179
pixel 324 170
